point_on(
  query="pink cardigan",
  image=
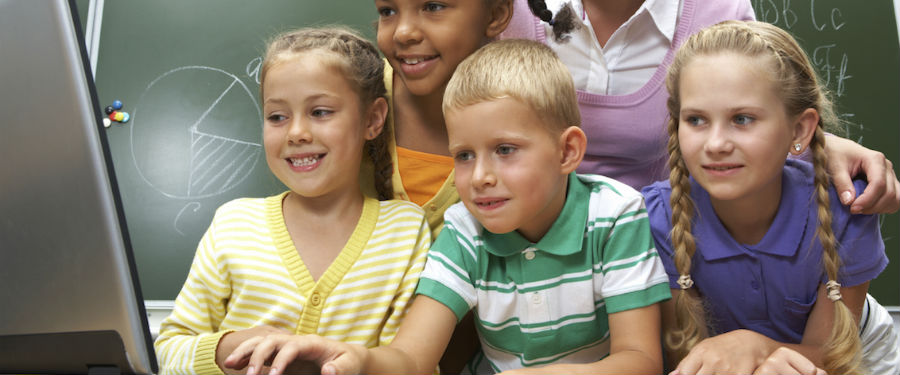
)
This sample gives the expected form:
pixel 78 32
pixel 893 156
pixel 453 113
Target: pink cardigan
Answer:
pixel 627 133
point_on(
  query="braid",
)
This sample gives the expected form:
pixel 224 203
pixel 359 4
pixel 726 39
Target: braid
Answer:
pixel 564 22
pixel 690 316
pixel 383 166
pixel 842 352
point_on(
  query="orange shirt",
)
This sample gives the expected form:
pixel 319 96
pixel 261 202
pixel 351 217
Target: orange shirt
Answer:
pixel 422 173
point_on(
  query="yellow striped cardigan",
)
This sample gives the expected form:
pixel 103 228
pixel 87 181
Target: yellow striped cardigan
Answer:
pixel 247 272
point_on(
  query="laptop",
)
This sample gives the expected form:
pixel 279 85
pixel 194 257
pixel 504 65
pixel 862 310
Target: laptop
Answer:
pixel 70 301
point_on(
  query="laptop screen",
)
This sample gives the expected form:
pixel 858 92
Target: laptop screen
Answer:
pixel 70 297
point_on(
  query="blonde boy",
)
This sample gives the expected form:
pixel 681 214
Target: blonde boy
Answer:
pixel 561 269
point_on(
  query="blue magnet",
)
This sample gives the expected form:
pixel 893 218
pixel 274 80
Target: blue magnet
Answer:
pixel 117 104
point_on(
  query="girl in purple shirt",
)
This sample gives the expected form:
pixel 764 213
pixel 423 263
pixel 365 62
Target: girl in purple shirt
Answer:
pixel 761 254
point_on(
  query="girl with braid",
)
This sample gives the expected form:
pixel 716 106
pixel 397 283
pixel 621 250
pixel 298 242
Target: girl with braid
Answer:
pixel 618 52
pixel 760 255
pixel 321 258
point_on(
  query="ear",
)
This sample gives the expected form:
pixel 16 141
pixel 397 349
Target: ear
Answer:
pixel 375 118
pixel 573 143
pixel 500 13
pixel 804 129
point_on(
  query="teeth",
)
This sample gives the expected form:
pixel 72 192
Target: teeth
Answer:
pixel 309 160
pixel 413 61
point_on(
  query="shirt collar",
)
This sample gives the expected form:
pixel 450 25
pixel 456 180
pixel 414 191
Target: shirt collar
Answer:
pixel 664 14
pixel 783 237
pixel 565 236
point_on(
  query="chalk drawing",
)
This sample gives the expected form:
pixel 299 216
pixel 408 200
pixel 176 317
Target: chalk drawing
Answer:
pixel 195 133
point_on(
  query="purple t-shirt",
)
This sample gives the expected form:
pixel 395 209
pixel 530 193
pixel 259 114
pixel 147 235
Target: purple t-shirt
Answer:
pixel 769 287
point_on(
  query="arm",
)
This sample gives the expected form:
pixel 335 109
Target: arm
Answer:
pixel 422 338
pixel 743 351
pixel 189 336
pixel 786 361
pixel 634 347
pixel 846 159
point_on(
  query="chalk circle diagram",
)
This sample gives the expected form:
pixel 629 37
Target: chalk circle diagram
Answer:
pixel 195 132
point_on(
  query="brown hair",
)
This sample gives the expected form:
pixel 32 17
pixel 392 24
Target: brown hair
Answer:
pixel 362 66
pixel 798 87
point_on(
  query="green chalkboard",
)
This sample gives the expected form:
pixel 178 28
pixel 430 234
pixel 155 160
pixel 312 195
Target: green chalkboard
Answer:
pixel 854 46
pixel 187 74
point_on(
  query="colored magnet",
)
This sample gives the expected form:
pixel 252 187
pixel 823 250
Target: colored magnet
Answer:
pixel 117 104
pixel 109 109
pixel 119 116
pixel 112 116
pixel 125 117
pixel 106 122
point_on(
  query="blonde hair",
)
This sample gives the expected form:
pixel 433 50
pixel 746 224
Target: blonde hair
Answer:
pixel 361 65
pixel 795 80
pixel 521 69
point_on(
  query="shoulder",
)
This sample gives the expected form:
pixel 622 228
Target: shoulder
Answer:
pixel 397 212
pixel 460 222
pixel 247 207
pixel 523 24
pixel 704 13
pixel 611 196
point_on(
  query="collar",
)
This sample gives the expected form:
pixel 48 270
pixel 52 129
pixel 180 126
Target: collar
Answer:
pixel 785 234
pixel 664 13
pixel 565 236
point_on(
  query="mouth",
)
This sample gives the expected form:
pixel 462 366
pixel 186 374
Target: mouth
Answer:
pixel 721 167
pixel 489 203
pixel 305 160
pixel 416 60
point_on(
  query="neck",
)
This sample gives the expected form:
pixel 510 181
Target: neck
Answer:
pixel 748 219
pixel 607 16
pixel 418 120
pixel 324 210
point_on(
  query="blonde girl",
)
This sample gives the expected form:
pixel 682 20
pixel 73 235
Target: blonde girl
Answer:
pixel 321 258
pixel 759 257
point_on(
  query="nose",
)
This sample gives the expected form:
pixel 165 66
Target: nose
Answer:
pixel 719 140
pixel 483 174
pixel 299 132
pixel 407 30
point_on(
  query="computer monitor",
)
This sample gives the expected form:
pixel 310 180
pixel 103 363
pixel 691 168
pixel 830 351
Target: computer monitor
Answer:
pixel 69 295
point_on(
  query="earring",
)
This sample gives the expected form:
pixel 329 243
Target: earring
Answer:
pixel 798 147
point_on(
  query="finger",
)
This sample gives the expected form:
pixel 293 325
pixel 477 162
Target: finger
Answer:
pixel 240 356
pixel 342 364
pixel 843 184
pixel 890 200
pixel 688 366
pixel 287 353
pixel 262 353
pixel 877 185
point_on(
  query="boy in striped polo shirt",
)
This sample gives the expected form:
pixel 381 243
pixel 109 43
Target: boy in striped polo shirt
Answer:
pixel 560 268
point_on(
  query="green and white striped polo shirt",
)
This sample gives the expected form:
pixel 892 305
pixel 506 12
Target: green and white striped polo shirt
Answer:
pixel 547 302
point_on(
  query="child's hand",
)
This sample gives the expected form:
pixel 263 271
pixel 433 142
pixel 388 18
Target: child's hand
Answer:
pixel 280 351
pixel 786 361
pixel 736 352
pixel 231 340
pixel 847 159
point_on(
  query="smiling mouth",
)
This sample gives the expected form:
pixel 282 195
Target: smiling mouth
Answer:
pixel 721 167
pixel 417 60
pixel 306 160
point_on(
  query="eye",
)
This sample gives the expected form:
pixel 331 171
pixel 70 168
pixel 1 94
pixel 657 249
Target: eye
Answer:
pixel 319 112
pixel 275 118
pixel 505 149
pixel 386 12
pixel 464 156
pixel 743 119
pixel 693 120
pixel 433 7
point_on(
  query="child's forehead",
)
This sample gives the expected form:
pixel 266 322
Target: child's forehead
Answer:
pixel 499 115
